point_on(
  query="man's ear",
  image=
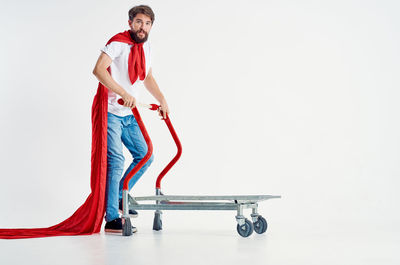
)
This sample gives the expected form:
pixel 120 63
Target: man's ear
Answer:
pixel 130 22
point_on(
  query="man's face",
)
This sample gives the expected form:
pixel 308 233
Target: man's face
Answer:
pixel 140 26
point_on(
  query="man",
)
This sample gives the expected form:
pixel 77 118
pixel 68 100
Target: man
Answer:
pixel 128 56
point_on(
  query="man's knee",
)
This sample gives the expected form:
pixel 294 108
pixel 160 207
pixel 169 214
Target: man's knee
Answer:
pixel 143 153
pixel 148 161
pixel 151 159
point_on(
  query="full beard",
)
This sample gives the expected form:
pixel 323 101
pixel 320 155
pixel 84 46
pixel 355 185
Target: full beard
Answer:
pixel 136 38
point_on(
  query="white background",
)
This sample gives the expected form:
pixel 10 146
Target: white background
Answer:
pixel 293 98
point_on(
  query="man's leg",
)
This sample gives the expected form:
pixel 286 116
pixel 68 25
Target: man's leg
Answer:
pixel 115 165
pixel 133 139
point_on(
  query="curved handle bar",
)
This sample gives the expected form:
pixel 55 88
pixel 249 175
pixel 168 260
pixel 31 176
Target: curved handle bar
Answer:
pixel 150 146
pixel 176 157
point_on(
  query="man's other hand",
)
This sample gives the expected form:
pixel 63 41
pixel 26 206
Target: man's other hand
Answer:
pixel 164 109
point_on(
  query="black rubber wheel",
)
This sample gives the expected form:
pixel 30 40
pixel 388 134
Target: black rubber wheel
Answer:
pixel 126 226
pixel 246 229
pixel 157 223
pixel 260 226
pixel 266 225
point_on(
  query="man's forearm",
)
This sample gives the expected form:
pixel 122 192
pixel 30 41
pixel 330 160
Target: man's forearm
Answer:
pixel 151 85
pixel 106 79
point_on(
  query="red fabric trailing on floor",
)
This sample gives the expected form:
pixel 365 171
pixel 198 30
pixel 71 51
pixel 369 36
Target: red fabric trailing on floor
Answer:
pixel 89 216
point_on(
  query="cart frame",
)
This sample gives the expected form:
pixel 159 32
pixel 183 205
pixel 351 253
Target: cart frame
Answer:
pixel 186 202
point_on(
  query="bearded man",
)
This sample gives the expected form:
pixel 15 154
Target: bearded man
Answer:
pixel 123 67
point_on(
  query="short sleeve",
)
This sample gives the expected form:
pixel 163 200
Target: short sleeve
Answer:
pixel 114 49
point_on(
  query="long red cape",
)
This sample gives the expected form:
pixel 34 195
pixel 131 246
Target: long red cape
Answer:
pixel 88 218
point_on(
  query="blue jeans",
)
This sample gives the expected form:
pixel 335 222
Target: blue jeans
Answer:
pixel 122 130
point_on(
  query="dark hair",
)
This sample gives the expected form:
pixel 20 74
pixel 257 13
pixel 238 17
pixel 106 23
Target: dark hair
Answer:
pixel 142 9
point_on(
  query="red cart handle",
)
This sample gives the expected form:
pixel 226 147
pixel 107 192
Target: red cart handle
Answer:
pixel 150 145
pixel 148 142
pixel 176 157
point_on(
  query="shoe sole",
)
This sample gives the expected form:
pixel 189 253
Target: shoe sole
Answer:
pixel 113 231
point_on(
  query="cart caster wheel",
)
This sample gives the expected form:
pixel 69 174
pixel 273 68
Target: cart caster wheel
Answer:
pixel 246 229
pixel 157 223
pixel 126 226
pixel 260 226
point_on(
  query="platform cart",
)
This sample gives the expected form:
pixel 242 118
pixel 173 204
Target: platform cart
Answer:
pixel 238 203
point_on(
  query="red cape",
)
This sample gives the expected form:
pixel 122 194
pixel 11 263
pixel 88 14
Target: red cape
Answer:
pixel 89 217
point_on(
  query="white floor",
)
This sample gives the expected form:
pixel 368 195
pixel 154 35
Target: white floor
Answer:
pixel 211 238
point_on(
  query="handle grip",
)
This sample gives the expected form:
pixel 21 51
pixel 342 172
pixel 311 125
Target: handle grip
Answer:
pixel 143 105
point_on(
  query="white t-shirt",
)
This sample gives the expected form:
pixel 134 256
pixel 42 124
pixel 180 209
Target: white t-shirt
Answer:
pixel 119 53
